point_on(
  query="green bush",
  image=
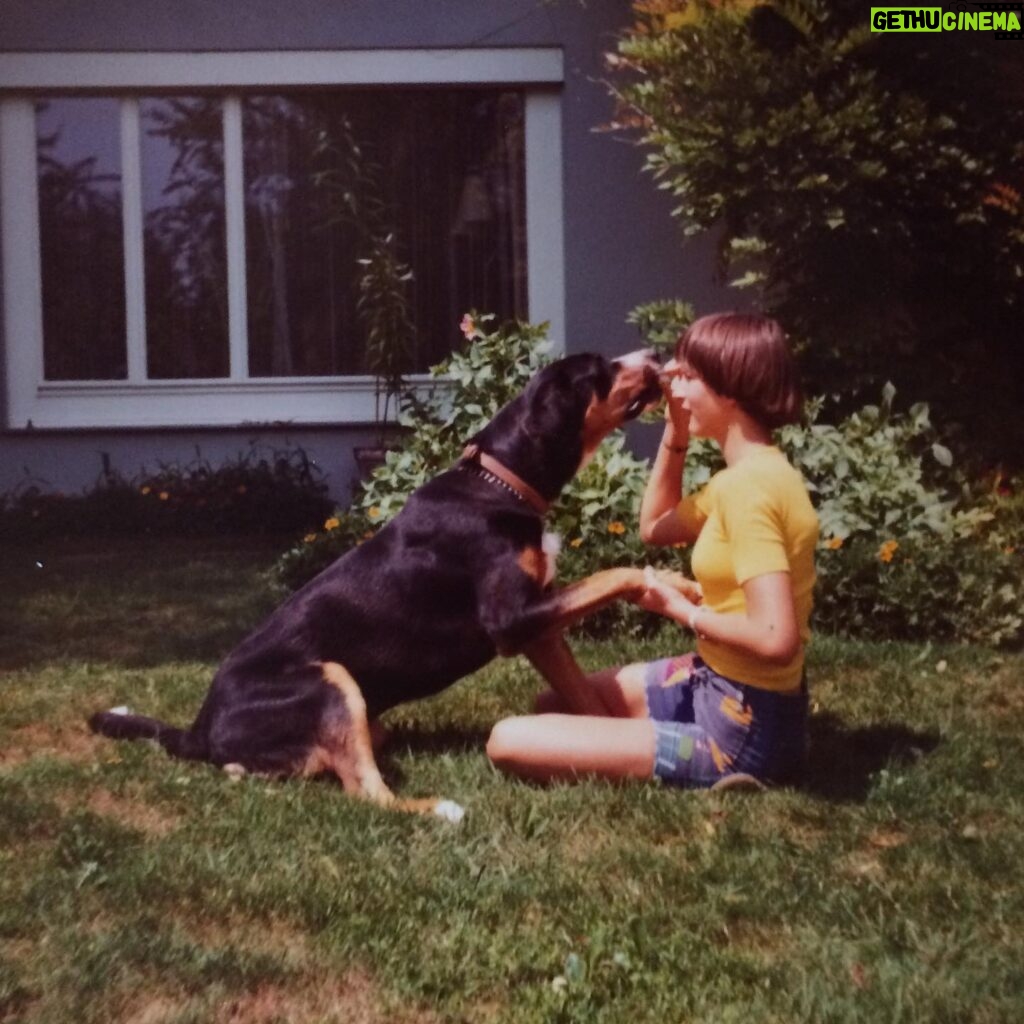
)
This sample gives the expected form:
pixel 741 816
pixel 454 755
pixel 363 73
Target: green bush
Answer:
pixel 920 589
pixel 878 473
pixel 262 490
pixel 867 186
pixel 908 549
pixel 880 480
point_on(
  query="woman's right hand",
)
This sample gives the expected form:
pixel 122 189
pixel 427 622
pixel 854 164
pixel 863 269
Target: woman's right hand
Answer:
pixel 690 589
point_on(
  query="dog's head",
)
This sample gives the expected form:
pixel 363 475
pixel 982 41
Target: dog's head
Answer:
pixel 551 430
pixel 635 386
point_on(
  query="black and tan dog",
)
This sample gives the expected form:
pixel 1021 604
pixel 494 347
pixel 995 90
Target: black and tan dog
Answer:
pixel 461 574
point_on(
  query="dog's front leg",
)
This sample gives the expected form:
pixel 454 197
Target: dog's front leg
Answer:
pixel 522 619
pixel 551 657
pixel 517 620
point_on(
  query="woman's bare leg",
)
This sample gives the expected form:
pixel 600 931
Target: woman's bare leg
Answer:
pixel 621 688
pixel 548 747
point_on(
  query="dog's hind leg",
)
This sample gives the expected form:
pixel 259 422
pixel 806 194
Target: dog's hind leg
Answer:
pixel 348 752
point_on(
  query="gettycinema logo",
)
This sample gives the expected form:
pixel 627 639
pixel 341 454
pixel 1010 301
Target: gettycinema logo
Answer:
pixel 1003 20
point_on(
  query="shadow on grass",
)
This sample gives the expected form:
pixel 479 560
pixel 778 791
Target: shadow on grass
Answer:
pixel 449 740
pixel 842 762
pixel 138 603
pixel 843 759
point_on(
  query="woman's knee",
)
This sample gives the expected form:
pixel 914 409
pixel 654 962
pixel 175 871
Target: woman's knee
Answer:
pixel 624 690
pixel 506 741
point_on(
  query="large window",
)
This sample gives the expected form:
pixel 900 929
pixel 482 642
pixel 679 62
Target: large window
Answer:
pixel 229 252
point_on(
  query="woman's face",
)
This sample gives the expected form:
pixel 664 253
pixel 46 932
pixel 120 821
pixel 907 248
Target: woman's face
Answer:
pixel 710 413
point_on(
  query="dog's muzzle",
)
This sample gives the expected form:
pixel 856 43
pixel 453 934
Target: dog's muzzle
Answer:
pixel 645 363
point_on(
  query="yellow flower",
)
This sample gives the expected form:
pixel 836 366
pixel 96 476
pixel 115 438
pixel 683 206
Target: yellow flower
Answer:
pixel 145 490
pixel 309 538
pixel 332 524
pixel 887 550
pixel 164 495
pixel 834 543
pixel 616 527
pixel 575 542
pixel 467 326
pixel 374 513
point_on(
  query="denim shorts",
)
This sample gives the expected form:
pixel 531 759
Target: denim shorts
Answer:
pixel 707 726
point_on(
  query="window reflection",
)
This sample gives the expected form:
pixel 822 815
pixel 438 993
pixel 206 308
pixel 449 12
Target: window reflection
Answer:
pixel 373 220
pixel 81 239
pixel 185 246
pixel 379 214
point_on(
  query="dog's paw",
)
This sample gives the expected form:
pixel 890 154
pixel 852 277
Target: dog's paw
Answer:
pixel 450 811
pixel 235 772
pixel 121 709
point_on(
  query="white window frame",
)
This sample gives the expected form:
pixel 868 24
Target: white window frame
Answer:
pixel 33 402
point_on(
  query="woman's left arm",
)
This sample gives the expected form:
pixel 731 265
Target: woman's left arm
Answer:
pixel 768 630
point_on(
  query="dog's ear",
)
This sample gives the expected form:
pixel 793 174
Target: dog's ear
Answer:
pixel 560 395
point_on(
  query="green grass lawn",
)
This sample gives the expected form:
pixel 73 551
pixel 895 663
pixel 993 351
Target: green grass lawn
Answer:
pixel 136 888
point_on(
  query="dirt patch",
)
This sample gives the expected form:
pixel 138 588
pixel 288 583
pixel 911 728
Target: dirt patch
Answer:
pixel 134 814
pixel 353 1000
pixel 18 950
pixel 888 838
pixel 860 865
pixel 72 743
pixel 153 1011
pixel 277 938
pixel 350 1000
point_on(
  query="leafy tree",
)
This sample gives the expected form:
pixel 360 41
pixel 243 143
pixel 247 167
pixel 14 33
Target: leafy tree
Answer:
pixel 867 186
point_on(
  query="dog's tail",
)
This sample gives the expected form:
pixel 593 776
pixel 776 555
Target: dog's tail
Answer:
pixel 120 724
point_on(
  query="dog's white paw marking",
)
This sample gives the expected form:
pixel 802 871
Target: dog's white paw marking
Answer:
pixel 235 771
pixel 551 545
pixel 450 811
pixel 121 709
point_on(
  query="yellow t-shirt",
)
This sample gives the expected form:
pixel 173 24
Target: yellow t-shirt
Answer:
pixel 754 518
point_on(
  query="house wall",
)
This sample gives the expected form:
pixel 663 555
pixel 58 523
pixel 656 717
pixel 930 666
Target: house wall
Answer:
pixel 621 246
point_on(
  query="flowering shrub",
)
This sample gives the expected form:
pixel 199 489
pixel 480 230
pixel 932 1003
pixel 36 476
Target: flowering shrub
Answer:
pixel 261 491
pixel 906 551
pixel 957 589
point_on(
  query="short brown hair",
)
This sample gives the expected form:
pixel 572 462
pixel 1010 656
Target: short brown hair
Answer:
pixel 745 357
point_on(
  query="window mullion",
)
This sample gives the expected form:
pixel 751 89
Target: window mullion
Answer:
pixel 545 241
pixel 22 278
pixel 234 198
pixel 134 269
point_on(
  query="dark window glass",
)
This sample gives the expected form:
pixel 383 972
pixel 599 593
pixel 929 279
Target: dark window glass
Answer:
pixel 81 239
pixel 185 246
pixel 374 219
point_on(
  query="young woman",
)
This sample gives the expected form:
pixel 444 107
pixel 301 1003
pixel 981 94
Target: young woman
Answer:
pixel 739 705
